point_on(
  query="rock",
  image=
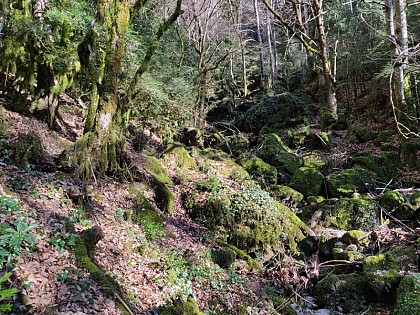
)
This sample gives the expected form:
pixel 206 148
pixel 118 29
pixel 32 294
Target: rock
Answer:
pixel 349 181
pixel 309 245
pixel 307 181
pixel 283 110
pixel 181 307
pixel 383 270
pixel 286 195
pixel 351 248
pixel 223 258
pixel 340 245
pixel 264 172
pixel 345 290
pixel 252 216
pixel 27 148
pixel 415 200
pixel 235 144
pixel 385 136
pixel 353 237
pixel 391 200
pixel 315 159
pixel 177 158
pixel 350 213
pixel 154 168
pixel 408 295
pixel 192 137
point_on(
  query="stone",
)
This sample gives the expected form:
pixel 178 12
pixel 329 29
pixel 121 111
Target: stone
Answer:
pixel 349 181
pixel 264 172
pixel 408 295
pixel 353 237
pixel 307 181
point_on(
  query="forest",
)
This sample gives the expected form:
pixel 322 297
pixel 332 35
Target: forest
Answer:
pixel 203 157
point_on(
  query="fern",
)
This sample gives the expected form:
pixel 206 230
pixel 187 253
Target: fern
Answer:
pixel 6 294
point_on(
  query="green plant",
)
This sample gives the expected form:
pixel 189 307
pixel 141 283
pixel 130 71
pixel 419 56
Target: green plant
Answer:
pixel 151 229
pixel 8 205
pixel 5 294
pixel 13 237
pixel 61 241
pixel 119 214
pixel 73 276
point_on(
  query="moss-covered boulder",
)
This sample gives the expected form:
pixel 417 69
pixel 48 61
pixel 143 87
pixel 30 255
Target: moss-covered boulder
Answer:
pixel 223 257
pixel 264 172
pixel 394 202
pixel 27 148
pixel 252 217
pixel 408 295
pixel 270 144
pixel 347 291
pixel 315 159
pixel 385 136
pixel 164 197
pixel 180 307
pixel 155 169
pixel 365 135
pixel 385 165
pixel 286 195
pixel 235 144
pixel 383 271
pixel 354 237
pixel 391 200
pixel 349 213
pixel 415 200
pixel 192 137
pixel 176 156
pixel 308 181
pixel 349 181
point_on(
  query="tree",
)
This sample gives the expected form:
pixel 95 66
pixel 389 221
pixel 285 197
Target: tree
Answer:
pixel 101 148
pixel 314 46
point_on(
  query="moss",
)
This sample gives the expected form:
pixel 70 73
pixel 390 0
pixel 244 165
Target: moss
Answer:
pixel 315 159
pixel 341 254
pixel 383 270
pixel 391 200
pixel 271 144
pixel 266 173
pixel 176 156
pixel 252 263
pixel 350 213
pixel 27 148
pixel 385 136
pixel 165 198
pixel 180 307
pixel 223 258
pixel 308 181
pixel 84 253
pixel 345 290
pixel 235 144
pixel 286 162
pixel 408 295
pixel 415 200
pixel 286 195
pixel 353 237
pixel 153 167
pixel 349 181
pixel 371 164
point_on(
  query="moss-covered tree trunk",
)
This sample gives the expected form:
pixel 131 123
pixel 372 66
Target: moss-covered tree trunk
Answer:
pixel 100 148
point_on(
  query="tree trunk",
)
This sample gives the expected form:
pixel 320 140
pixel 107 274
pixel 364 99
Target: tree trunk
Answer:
pixel 260 43
pixel 325 63
pixel 100 149
pixel 270 49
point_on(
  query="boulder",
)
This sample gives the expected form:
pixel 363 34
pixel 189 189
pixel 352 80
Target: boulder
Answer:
pixel 349 181
pixel 383 271
pixel 286 195
pixel 350 213
pixel 263 172
pixel 347 291
pixel 408 295
pixel 308 181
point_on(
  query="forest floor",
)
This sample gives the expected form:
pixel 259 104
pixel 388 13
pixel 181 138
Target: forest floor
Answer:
pixel 151 265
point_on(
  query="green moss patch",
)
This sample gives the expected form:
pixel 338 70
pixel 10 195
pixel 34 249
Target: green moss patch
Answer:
pixel 286 195
pixel 264 172
pixel 349 181
pixel 154 167
pixel 307 181
pixel 408 296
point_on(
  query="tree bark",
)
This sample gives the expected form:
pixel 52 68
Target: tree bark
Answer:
pixel 325 61
pixel 260 43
